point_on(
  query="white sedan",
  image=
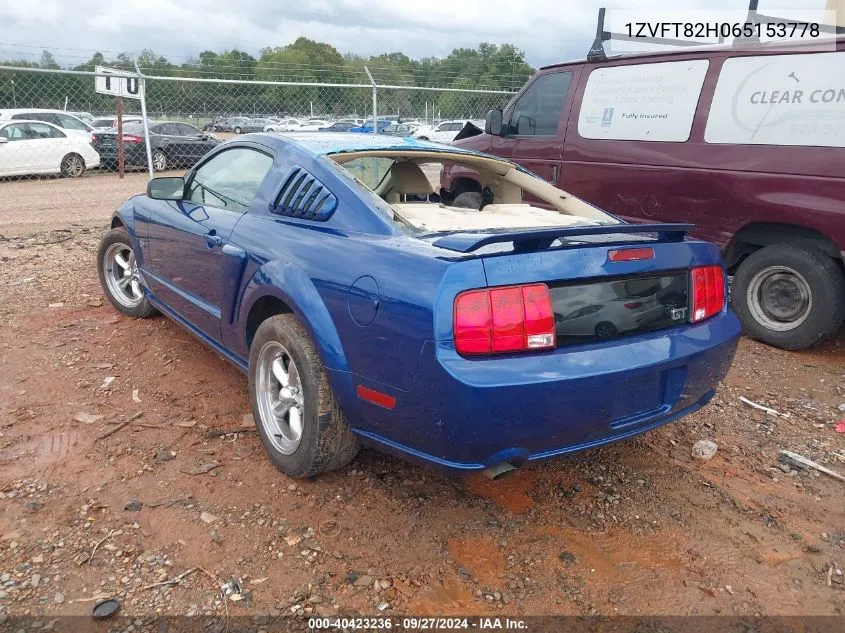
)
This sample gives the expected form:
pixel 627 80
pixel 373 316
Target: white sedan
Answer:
pixel 312 125
pixel 35 147
pixel 283 125
pixel 444 132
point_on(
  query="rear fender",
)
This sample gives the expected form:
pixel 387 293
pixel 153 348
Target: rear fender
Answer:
pixel 289 283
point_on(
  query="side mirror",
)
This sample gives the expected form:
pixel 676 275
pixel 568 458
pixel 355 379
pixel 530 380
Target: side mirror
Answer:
pixel 3 139
pixel 168 188
pixel 493 125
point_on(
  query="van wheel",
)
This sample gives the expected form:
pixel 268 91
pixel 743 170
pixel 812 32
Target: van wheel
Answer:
pixel 788 296
pixel 300 423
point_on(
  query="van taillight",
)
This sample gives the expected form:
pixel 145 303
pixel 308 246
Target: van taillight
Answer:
pixel 508 319
pixel 708 292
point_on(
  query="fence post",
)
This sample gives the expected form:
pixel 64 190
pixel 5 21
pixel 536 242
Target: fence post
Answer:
pixel 142 86
pixel 375 100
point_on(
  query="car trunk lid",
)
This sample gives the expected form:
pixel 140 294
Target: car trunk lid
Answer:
pixel 605 282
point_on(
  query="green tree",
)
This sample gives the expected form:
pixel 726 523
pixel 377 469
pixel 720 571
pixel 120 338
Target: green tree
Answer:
pixel 47 60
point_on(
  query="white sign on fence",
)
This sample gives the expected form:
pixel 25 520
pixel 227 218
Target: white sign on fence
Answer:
pixel 120 86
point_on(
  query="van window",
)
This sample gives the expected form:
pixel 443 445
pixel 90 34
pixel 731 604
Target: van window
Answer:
pixel 642 102
pixel 780 100
pixel 537 111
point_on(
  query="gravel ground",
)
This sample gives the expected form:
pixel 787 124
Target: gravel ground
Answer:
pixel 129 469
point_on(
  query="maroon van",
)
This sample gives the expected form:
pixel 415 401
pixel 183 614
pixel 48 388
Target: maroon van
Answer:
pixel 747 144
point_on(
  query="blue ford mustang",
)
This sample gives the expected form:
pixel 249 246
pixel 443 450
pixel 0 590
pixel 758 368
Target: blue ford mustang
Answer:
pixel 367 306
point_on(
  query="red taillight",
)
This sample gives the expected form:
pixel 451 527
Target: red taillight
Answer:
pixel 630 254
pixel 634 305
pixel 128 138
pixel 510 319
pixel 708 292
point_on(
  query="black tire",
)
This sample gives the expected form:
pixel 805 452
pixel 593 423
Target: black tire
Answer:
pixel 238 130
pixel 825 310
pixel 423 138
pixel 214 128
pixel 72 166
pixel 327 442
pixel 160 162
pixel 119 236
pixel 605 329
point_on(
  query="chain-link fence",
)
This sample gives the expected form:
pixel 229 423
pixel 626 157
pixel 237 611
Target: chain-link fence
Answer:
pixel 65 123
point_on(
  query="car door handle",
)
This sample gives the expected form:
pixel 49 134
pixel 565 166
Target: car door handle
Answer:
pixel 212 239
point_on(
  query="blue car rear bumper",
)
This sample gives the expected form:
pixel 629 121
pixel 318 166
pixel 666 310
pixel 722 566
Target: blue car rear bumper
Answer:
pixel 468 414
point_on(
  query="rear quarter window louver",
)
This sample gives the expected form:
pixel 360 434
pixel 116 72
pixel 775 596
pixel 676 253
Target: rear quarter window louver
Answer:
pixel 303 196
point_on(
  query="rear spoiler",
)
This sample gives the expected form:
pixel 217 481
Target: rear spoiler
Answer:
pixel 538 239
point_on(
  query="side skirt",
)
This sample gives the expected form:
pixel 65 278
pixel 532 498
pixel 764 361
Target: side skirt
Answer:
pixel 236 360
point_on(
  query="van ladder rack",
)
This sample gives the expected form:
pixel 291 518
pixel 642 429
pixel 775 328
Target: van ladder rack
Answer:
pixel 597 52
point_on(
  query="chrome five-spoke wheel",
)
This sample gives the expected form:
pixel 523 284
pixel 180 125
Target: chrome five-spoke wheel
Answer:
pixel 121 275
pixel 281 400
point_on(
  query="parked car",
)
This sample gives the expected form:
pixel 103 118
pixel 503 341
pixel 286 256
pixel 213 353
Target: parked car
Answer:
pixel 313 125
pixel 173 144
pixel 59 118
pixel 444 132
pixel 749 146
pixel 340 126
pixel 367 127
pixel 366 311
pixel 237 124
pixel 399 129
pixel 36 147
pixel 87 117
pixel 283 125
pixel 108 122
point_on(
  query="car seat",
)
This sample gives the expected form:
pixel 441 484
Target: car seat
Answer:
pixel 407 179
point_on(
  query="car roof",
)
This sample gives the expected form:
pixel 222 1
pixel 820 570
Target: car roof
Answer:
pixel 49 110
pixel 7 122
pixel 327 143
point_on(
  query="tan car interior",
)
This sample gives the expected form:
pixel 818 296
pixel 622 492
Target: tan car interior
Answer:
pixel 406 178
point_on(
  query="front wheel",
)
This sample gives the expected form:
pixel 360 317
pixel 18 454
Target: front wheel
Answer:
pixel 73 166
pixel 238 130
pixel 788 296
pixel 119 276
pixel 300 424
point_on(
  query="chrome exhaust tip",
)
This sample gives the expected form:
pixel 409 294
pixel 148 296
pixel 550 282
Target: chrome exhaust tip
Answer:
pixel 499 471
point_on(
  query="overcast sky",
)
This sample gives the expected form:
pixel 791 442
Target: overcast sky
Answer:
pixel 547 30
